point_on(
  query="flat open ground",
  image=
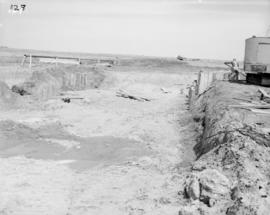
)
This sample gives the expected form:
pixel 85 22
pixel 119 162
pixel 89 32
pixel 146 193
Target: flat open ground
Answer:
pixel 101 154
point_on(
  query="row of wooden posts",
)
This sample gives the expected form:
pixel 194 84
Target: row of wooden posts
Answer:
pixel 196 87
pixel 204 80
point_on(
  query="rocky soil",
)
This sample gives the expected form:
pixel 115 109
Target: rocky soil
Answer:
pixel 231 173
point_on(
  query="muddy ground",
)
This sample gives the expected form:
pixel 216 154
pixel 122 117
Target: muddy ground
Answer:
pixel 99 154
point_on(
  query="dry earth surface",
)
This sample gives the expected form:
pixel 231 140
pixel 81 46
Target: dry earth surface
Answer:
pixel 101 154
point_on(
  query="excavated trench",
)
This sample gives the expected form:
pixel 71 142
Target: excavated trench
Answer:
pixel 117 155
pixel 48 82
pixel 130 157
pixel 47 142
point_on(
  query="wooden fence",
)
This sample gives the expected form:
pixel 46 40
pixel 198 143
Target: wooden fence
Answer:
pixel 204 81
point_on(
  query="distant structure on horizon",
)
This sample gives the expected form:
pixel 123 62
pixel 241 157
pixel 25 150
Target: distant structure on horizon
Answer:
pixel 67 60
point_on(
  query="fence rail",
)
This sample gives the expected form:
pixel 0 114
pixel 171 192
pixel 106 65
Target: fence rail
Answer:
pixel 65 59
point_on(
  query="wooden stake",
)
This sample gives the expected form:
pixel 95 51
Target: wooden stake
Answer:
pixel 23 60
pixel 30 61
pixel 199 83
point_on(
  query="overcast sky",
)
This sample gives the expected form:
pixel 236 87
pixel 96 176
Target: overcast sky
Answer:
pixel 193 28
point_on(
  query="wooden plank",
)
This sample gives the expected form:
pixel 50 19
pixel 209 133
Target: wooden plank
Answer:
pixel 123 94
pixel 260 111
pixel 246 100
pixel 251 106
pixel 74 58
pixel 264 94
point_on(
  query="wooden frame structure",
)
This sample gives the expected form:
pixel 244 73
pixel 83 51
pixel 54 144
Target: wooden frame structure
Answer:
pixel 62 59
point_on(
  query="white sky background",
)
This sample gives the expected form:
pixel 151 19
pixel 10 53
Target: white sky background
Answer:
pixel 193 28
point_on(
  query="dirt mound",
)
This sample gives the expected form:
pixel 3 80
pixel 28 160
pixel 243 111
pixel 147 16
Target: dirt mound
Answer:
pixel 234 145
pixel 49 82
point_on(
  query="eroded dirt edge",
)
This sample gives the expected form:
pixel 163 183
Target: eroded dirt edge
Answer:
pixel 231 173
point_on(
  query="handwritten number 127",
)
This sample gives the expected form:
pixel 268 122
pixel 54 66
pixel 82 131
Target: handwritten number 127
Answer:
pixel 17 8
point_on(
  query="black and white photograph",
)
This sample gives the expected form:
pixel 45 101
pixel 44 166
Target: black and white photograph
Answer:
pixel 134 107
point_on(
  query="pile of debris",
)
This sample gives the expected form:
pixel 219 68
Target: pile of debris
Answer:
pixel 121 93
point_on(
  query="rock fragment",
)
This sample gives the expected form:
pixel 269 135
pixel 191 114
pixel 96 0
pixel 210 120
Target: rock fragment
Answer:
pixel 193 189
pixel 213 182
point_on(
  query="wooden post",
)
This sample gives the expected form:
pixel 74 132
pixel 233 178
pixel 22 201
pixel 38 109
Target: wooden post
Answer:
pixel 30 61
pixel 199 83
pixel 189 95
pixel 214 77
pixel 23 60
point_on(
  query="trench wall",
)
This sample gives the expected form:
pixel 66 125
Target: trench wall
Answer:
pixel 234 144
pixel 48 82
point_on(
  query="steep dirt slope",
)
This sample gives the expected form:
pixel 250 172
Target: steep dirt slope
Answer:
pixel 231 174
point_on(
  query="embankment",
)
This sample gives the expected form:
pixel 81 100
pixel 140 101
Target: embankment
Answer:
pixel 45 83
pixel 232 171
